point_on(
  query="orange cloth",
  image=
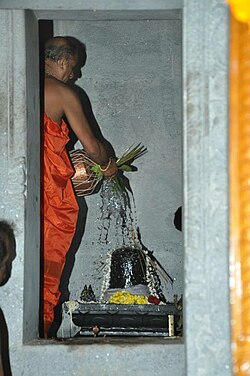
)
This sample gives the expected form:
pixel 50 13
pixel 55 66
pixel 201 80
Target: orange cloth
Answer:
pixel 59 212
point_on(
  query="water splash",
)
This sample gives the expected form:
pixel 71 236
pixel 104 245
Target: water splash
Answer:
pixel 116 222
pixel 118 229
pixel 117 216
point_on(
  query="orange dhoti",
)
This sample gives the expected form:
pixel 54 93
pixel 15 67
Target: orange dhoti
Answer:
pixel 59 213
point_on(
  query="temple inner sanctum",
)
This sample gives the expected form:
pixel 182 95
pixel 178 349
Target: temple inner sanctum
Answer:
pixel 156 73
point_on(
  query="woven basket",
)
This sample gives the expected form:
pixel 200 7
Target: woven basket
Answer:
pixel 84 180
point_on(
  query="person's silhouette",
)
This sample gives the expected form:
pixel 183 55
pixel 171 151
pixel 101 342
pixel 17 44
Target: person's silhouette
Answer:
pixel 7 255
pixel 83 209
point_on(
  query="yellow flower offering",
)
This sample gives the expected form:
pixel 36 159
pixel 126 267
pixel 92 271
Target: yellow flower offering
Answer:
pixel 124 297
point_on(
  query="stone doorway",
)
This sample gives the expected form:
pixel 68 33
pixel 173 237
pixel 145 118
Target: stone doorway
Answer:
pixel 207 341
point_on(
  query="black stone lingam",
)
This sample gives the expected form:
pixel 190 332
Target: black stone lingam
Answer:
pixel 128 268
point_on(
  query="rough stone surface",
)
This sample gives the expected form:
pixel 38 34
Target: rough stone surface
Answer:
pixel 93 5
pixel 206 249
pixel 13 165
pixel 99 359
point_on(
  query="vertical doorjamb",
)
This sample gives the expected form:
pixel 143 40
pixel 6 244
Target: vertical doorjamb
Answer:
pixel 240 193
pixel 32 210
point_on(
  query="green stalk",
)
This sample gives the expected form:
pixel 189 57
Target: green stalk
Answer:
pixel 123 164
pixel 131 154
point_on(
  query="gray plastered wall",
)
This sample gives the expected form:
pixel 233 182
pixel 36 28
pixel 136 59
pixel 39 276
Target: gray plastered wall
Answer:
pixel 133 79
pixel 206 252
